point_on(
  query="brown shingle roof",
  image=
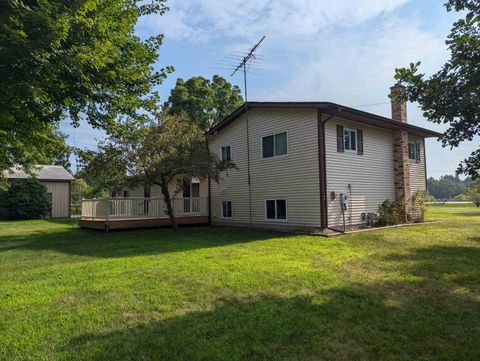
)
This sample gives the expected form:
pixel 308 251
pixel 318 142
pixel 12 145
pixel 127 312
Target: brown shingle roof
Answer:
pixel 332 109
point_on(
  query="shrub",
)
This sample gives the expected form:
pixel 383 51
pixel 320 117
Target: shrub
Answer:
pixel 418 206
pixel 473 193
pixel 25 199
pixel 390 213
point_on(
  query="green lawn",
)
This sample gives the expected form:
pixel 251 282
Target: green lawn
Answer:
pixel 409 293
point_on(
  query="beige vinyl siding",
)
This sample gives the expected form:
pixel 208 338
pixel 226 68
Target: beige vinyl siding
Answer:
pixel 60 198
pixel 156 191
pixel 233 184
pixel 417 170
pixel 138 191
pixel 370 175
pixel 293 177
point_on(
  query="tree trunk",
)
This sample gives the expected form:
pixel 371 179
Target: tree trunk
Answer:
pixel 168 200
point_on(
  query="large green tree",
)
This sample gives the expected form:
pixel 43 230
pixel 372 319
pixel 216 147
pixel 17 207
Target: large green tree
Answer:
pixel 204 101
pixel 103 170
pixel 76 60
pixel 452 95
pixel 165 152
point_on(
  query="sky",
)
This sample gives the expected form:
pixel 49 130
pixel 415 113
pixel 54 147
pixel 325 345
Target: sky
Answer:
pixel 343 51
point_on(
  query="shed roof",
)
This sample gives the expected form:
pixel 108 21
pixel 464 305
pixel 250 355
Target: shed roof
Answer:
pixel 41 172
pixel 331 109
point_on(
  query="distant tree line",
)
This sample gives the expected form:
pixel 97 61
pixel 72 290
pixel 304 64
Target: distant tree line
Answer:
pixel 447 186
pixel 452 187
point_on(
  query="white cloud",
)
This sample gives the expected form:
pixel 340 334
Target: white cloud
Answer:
pixel 354 67
pixel 206 19
pixel 344 51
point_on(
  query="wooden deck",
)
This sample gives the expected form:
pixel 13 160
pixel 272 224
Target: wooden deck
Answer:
pixel 107 225
pixel 141 212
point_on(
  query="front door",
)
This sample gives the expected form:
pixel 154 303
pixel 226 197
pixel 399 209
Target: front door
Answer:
pixel 191 194
pixel 146 202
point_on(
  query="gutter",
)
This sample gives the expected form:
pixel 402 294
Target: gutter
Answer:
pixel 328 107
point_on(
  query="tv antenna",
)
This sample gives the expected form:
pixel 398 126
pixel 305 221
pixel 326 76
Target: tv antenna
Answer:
pixel 246 61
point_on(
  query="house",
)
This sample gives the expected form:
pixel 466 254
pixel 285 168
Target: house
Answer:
pixel 56 179
pixel 307 166
pixel 296 161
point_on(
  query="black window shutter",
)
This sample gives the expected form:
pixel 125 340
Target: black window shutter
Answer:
pixel 417 153
pixel 359 141
pixel 340 144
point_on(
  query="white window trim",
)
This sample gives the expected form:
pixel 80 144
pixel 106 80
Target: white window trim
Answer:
pixel 275 156
pixel 221 208
pixel 356 141
pixel 221 153
pixel 276 219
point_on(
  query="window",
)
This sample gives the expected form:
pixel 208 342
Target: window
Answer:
pixel 226 209
pixel 146 191
pixel 276 209
pixel 126 194
pixel 412 154
pixel 275 145
pixel 226 155
pixel 350 139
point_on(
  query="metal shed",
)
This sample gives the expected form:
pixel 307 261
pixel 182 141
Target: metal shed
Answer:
pixel 57 180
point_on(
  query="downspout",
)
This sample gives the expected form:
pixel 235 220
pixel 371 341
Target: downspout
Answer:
pixel 323 168
pixel 209 196
pixel 248 160
pixel 425 163
pixel 209 201
pixel 70 199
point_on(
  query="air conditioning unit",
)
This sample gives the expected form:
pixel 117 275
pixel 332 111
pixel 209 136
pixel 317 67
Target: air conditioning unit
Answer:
pixel 370 217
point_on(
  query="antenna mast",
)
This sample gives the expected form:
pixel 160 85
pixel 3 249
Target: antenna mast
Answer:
pixel 245 64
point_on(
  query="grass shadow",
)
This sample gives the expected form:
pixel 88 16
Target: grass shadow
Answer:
pixel 345 323
pixel 474 213
pixel 432 316
pixel 85 242
pixel 452 266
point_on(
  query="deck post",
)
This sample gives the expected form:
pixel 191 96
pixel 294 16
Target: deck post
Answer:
pixel 107 206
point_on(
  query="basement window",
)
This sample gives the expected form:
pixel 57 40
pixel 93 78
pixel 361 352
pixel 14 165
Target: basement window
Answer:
pixel 227 209
pixel 276 209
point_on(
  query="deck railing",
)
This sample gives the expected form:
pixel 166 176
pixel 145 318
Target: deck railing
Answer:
pixel 142 208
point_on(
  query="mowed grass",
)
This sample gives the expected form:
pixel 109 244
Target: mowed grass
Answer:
pixel 409 293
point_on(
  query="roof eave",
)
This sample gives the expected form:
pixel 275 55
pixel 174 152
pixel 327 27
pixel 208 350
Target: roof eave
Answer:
pixel 332 109
pixel 377 120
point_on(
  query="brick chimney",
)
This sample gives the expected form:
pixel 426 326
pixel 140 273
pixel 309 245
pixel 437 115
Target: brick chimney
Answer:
pixel 400 152
pixel 399 107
